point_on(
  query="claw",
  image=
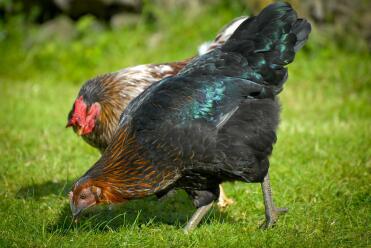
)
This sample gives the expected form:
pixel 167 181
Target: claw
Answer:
pixel 282 210
pixel 272 219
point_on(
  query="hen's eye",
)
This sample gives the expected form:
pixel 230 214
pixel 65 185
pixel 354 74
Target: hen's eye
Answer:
pixel 83 196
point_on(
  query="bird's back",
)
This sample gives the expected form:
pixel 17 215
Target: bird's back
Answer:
pixel 220 113
pixel 219 124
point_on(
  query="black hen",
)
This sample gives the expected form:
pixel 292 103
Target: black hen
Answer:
pixel 215 121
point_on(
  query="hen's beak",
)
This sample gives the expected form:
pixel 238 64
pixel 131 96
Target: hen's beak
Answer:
pixel 76 216
pixel 80 131
pixel 75 210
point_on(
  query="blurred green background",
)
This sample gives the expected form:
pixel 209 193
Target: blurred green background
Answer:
pixel 73 40
pixel 320 165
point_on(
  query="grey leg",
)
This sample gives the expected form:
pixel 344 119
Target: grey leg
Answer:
pixel 197 217
pixel 271 212
pixel 223 200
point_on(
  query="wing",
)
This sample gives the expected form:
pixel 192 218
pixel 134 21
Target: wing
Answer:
pixel 184 118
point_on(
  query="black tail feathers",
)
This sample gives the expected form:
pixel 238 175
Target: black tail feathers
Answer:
pixel 269 42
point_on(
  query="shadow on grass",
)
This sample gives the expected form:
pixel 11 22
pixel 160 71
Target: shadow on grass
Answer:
pixel 174 210
pixel 149 212
pixel 37 191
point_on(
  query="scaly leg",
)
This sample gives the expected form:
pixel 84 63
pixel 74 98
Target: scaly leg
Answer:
pixel 271 212
pixel 197 217
pixel 223 200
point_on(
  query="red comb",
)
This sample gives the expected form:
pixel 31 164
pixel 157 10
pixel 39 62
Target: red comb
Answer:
pixel 80 106
pixel 79 113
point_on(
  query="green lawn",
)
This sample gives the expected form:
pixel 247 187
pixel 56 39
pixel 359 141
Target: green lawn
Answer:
pixel 320 167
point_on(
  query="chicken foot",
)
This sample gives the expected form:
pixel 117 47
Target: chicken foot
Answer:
pixel 223 200
pixel 271 212
pixel 197 217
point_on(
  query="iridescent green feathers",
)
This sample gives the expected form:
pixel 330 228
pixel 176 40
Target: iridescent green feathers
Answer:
pixel 202 106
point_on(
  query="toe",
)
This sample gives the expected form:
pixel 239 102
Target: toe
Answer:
pixel 281 210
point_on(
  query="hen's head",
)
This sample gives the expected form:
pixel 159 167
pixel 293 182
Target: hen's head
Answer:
pixel 88 192
pixel 83 116
pixel 84 195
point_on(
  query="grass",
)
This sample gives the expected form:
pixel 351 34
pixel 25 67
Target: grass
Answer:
pixel 320 167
